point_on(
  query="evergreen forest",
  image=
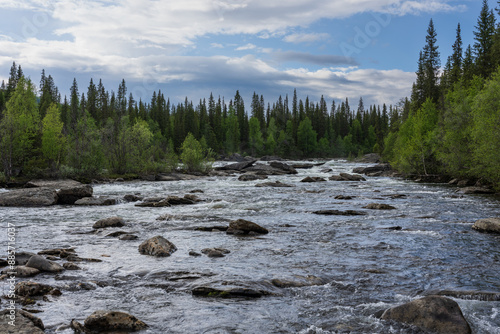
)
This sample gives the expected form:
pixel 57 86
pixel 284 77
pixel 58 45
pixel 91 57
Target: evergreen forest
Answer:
pixel 449 125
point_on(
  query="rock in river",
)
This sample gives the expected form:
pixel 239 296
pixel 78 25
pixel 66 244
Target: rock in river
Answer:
pixel 105 321
pixel 42 264
pixel 25 322
pixel 432 313
pixel 157 246
pixel 313 179
pixel 379 206
pixel 29 197
pixel 339 213
pixel 242 226
pixel 489 225
pixel 109 222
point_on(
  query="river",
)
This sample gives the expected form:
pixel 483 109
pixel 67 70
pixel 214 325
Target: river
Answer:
pixel 364 266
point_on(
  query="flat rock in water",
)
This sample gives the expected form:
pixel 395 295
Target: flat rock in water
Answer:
pixel 432 313
pixel 251 177
pixel 70 195
pixel 96 201
pixel 25 322
pixel 486 296
pixel 42 264
pixel 105 321
pixel 298 281
pixel 30 289
pixel 109 222
pixel 488 225
pixel 21 271
pixel 242 226
pixel 379 206
pixel 313 179
pixel 477 190
pixel 157 246
pixel 29 197
pixel 339 213
pixel 276 184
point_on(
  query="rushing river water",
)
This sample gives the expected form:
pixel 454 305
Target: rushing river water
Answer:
pixel 366 266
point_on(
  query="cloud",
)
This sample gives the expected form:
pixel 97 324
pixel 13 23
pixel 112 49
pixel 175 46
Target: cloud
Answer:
pixel 249 46
pixel 306 38
pixel 217 45
pixel 323 60
pixel 427 6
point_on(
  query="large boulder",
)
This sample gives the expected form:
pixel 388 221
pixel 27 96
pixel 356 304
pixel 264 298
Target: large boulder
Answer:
pixel 489 225
pixel 25 323
pixel 109 222
pixel 347 177
pixel 73 194
pixel 265 169
pixel 68 191
pixel 157 246
pixel 242 226
pixel 105 321
pixel 311 179
pixel 237 166
pixel 432 313
pixel 42 264
pixel 251 177
pixel 377 170
pixel 283 166
pixel 29 197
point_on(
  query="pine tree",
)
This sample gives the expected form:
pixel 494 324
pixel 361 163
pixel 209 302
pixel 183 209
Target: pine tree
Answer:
pixel 483 47
pixel 468 66
pixel 431 64
pixel 74 111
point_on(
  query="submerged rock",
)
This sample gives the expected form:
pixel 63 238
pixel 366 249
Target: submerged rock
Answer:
pixel 433 313
pixel 215 252
pixel 158 202
pixel 379 206
pixel 298 281
pixel 245 227
pixel 109 222
pixel 487 296
pixel 276 184
pixel 25 323
pixel 339 213
pixel 105 321
pixel 251 177
pixel 157 246
pixel 488 225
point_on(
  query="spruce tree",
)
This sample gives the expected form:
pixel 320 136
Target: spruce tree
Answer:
pixel 483 47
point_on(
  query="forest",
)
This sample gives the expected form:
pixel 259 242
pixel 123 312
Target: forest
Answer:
pixel 449 125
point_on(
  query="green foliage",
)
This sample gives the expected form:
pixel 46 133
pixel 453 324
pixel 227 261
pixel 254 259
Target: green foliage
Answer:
pixel 194 157
pixel 485 130
pixel 415 145
pixel 85 153
pixel 306 137
pixel 53 139
pixel 256 142
pixel 19 128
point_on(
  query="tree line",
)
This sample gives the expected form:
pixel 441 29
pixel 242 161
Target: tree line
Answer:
pixel 97 130
pixel 453 125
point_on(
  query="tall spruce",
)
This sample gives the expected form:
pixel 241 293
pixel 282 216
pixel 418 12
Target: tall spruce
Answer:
pixel 483 46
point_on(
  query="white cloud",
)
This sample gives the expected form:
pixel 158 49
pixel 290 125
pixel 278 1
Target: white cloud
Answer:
pixel 249 46
pixel 306 38
pixel 426 6
pixel 217 45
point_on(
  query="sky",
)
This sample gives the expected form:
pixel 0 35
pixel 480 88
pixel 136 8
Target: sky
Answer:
pixel 192 48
